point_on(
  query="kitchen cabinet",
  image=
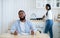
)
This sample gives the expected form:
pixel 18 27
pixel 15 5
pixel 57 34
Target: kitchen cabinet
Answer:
pixel 42 3
pixel 56 30
pixel 39 24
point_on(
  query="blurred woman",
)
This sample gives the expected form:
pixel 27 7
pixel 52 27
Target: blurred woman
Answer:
pixel 49 20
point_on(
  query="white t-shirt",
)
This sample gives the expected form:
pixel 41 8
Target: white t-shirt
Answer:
pixel 49 16
pixel 22 25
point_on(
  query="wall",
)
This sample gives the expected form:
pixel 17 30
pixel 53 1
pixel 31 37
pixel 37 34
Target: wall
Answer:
pixel 0 15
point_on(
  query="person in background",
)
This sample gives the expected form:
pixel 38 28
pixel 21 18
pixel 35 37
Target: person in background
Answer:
pixel 22 26
pixel 49 20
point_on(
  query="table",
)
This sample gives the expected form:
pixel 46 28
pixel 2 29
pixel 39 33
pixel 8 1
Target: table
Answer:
pixel 38 35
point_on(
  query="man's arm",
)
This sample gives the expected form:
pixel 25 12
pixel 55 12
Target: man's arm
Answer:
pixel 33 29
pixel 13 29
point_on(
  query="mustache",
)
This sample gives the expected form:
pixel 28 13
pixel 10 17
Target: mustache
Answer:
pixel 22 18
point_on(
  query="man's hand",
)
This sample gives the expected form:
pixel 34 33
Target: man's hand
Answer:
pixel 32 32
pixel 15 33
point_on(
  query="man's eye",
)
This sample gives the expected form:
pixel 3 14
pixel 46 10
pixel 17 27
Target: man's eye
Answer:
pixel 19 14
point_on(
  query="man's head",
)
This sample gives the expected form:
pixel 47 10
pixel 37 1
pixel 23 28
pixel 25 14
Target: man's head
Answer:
pixel 22 15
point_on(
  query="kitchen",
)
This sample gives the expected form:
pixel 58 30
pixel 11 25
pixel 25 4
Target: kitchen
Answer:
pixel 34 9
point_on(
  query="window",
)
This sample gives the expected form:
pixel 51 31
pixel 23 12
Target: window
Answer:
pixel 57 3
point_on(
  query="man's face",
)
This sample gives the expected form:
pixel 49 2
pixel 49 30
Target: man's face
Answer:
pixel 22 15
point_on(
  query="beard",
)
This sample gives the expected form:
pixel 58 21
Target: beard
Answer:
pixel 22 18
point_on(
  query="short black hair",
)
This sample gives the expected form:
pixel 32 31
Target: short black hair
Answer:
pixel 48 6
pixel 20 11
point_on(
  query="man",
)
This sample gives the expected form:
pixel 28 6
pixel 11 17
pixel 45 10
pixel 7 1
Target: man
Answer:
pixel 22 26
